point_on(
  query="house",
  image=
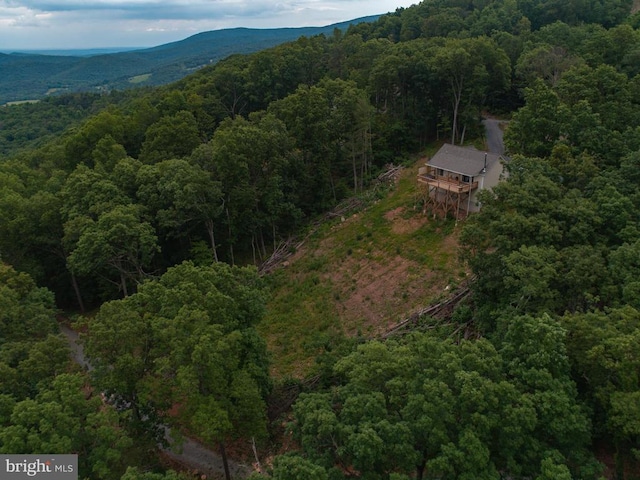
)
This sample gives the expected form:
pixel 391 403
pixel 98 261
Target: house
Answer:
pixel 453 177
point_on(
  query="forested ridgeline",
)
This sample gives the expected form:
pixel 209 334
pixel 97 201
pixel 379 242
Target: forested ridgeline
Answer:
pixel 32 76
pixel 142 209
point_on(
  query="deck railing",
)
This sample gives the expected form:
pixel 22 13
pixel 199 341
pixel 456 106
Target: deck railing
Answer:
pixel 446 182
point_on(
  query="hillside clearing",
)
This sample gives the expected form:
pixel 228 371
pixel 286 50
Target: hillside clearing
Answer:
pixel 358 276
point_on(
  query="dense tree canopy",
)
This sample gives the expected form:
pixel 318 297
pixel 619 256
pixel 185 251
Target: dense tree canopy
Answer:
pixel 439 410
pixel 45 405
pixel 184 349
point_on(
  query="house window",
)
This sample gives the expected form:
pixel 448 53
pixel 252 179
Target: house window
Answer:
pixel 466 179
pixel 440 172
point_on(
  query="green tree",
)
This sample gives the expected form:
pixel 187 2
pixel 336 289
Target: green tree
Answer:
pixel 603 347
pixel 545 62
pixel 30 366
pixel 180 196
pixel 61 419
pixel 30 352
pixel 118 242
pixel 536 361
pixel 86 195
pixel 31 239
pixel 405 95
pixel 496 17
pixel 331 125
pixel 553 471
pixel 186 340
pixel 536 126
pixel 592 110
pixel 529 274
pixel 428 406
pixel 107 154
pixel 624 268
pixel 80 145
pixel 90 193
pixel 174 136
pixel 228 82
pixel 252 159
pixel 134 473
pixel 444 22
pixel 293 467
pixel 141 114
pixel 539 246
pixel 469 71
pixel 26 311
pixel 43 407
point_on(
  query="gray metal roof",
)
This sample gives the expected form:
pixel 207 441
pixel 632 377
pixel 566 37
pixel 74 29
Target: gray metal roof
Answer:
pixel 462 160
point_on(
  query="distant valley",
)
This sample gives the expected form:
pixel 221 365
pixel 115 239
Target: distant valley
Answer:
pixel 32 76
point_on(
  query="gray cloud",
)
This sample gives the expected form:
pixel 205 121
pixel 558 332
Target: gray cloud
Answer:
pixel 153 9
pixel 104 23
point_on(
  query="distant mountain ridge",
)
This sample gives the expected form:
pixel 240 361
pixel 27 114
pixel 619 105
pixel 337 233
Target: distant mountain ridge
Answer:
pixel 27 76
pixel 76 52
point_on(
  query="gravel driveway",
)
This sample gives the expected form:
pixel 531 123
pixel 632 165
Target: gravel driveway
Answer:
pixel 494 135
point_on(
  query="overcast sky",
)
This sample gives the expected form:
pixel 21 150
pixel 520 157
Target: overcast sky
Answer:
pixel 67 24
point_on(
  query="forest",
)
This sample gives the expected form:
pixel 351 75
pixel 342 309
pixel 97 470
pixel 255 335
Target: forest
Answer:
pixel 29 76
pixel 143 217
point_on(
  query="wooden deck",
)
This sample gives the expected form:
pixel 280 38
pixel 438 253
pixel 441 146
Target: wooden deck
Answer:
pixel 448 184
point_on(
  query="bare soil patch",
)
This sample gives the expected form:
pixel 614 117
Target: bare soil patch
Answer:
pixel 373 295
pixel 401 225
pixel 377 290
